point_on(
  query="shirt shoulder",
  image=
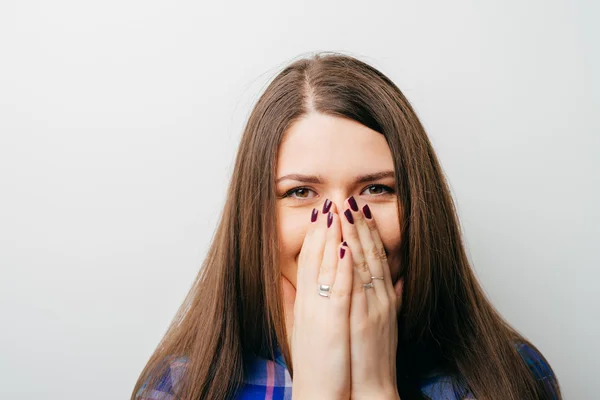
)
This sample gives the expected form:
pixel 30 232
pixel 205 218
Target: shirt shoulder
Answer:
pixel 167 385
pixel 540 368
pixel 263 379
pixel 535 361
pixel 438 386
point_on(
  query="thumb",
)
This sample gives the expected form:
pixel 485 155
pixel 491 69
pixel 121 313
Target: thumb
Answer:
pixel 398 288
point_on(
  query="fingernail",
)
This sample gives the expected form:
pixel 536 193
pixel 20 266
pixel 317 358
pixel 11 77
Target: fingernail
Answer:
pixel 367 211
pixel 326 206
pixel 345 244
pixel 342 252
pixel 349 216
pixel 314 215
pixel 352 203
pixel 329 219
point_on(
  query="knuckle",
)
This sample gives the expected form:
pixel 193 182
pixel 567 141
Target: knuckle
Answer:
pixel 362 266
pixel 359 291
pixel 324 270
pixel 351 234
pixel 377 253
pixel 373 252
pixel 382 255
pixel 340 294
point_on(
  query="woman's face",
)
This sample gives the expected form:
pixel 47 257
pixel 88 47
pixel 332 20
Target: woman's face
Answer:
pixel 326 157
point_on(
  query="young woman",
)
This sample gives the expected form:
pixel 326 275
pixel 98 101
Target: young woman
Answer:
pixel 338 263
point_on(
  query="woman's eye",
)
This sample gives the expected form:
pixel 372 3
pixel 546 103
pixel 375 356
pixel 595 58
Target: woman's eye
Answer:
pixel 380 187
pixel 302 193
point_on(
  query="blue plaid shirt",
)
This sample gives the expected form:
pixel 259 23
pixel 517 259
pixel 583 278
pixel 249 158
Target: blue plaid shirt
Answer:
pixel 270 380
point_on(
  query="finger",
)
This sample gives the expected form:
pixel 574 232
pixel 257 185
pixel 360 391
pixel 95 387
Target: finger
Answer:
pixel 330 254
pixel 381 266
pixel 373 254
pixel 341 292
pixel 359 303
pixel 350 234
pixel 311 254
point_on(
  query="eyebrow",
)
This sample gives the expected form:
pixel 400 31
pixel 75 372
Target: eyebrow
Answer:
pixel 317 180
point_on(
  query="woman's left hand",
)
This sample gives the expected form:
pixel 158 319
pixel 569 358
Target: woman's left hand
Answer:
pixel 373 311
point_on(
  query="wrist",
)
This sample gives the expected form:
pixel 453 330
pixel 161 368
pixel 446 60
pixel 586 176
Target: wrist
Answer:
pixel 386 394
pixel 307 395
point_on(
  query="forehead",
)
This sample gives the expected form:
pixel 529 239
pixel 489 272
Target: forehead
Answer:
pixel 332 146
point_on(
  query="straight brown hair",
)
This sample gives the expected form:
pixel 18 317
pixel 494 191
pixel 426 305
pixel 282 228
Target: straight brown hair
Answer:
pixel 235 304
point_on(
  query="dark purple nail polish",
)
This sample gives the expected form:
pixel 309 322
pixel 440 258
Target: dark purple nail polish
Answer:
pixel 345 244
pixel 352 203
pixel 367 211
pixel 329 219
pixel 342 252
pixel 314 215
pixel 326 206
pixel 349 216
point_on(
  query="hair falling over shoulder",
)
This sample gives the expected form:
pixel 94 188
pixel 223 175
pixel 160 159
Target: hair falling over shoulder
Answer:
pixel 235 306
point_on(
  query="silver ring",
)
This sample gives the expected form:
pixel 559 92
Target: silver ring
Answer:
pixel 324 290
pixel 377 277
pixel 368 285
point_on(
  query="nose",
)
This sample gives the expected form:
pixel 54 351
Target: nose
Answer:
pixel 339 199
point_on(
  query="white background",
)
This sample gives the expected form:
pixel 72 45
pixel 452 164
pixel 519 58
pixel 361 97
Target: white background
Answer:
pixel 119 123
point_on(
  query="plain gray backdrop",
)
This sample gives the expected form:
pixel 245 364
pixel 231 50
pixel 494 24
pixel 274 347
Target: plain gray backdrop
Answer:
pixel 119 123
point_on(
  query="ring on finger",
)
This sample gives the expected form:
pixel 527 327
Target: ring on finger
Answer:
pixel 368 285
pixel 324 290
pixel 377 277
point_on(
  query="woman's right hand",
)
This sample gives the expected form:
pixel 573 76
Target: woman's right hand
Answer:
pixel 321 327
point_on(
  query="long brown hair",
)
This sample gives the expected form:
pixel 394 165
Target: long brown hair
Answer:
pixel 235 304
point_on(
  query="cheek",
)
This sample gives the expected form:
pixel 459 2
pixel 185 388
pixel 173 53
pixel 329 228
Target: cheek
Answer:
pixel 291 231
